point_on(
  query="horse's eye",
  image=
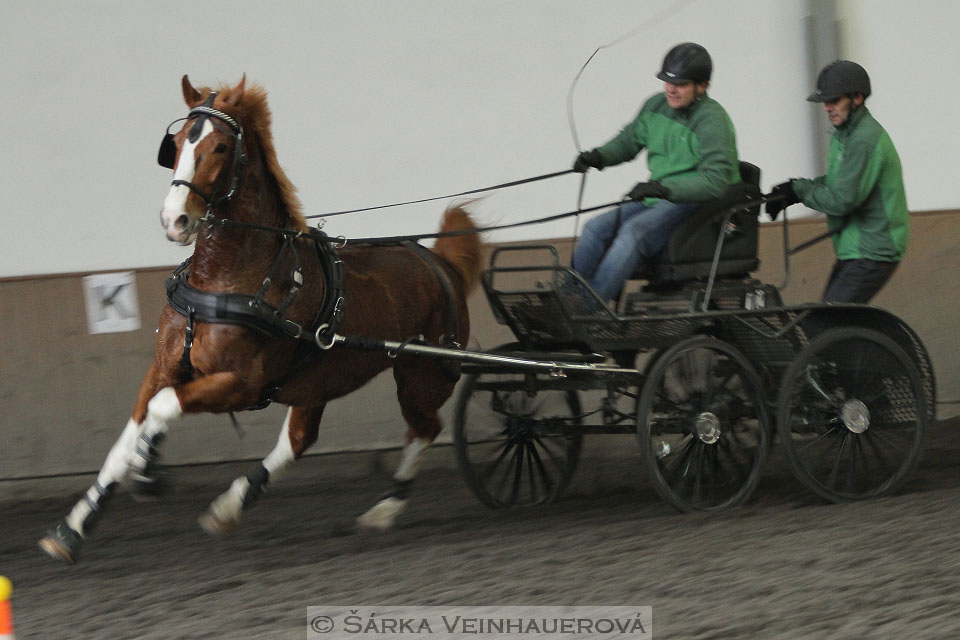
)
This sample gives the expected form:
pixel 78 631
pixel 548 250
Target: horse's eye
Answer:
pixel 220 148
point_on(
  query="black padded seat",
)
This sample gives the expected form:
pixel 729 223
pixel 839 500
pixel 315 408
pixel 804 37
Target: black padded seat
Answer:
pixel 689 254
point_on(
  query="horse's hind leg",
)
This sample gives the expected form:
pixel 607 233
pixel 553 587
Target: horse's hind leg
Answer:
pixel 299 431
pixel 422 388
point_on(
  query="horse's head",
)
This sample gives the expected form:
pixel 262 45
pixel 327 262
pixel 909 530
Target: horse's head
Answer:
pixel 206 156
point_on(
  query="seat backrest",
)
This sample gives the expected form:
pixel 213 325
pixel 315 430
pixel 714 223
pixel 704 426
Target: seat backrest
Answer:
pixel 689 253
pixel 749 173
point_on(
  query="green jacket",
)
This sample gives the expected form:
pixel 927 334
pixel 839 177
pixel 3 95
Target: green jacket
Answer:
pixel 862 193
pixel 692 152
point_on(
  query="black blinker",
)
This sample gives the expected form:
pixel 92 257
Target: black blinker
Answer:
pixel 167 155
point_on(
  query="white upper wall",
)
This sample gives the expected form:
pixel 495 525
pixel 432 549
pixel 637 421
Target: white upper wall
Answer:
pixel 377 101
pixel 912 53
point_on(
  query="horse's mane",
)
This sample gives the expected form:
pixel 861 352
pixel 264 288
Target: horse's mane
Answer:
pixel 252 110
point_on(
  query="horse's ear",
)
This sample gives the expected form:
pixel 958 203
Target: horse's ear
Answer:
pixel 190 95
pixel 237 92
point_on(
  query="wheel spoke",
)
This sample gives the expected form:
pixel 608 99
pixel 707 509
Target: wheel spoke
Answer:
pixel 833 430
pixel 698 477
pixel 547 446
pixel 517 475
pixel 490 467
pixel 506 442
pixel 852 469
pixel 545 476
pixel 871 440
pixel 719 386
pixel 836 463
pixel 682 459
pixel 738 467
pixel 847 364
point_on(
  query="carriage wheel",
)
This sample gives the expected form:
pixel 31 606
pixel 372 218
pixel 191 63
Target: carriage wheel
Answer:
pixel 513 442
pixel 702 425
pixel 852 414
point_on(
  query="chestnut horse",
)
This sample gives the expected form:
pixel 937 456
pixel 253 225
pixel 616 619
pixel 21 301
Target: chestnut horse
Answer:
pixel 230 196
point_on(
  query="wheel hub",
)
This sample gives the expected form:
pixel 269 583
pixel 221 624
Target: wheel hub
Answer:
pixel 855 416
pixel 708 427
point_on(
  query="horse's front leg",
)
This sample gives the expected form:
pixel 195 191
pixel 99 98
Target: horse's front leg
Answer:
pixel 299 431
pixel 135 450
pixel 63 541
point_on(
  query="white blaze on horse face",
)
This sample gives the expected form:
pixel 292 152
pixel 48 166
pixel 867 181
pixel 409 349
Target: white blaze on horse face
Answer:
pixel 174 216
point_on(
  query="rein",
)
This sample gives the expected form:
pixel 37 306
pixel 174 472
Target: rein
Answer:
pixel 341 241
pixel 504 185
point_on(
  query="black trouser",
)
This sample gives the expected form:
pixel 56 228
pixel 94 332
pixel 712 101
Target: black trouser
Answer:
pixel 857 280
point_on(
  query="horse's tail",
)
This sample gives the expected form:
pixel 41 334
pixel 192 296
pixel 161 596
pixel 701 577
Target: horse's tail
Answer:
pixel 462 251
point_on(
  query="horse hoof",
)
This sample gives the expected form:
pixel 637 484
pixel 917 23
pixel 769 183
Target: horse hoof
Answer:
pixel 382 515
pixel 61 543
pixel 215 526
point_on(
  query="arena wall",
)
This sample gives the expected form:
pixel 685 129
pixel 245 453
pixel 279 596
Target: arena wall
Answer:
pixel 66 394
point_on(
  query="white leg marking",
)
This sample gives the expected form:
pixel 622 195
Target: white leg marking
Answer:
pixel 225 512
pixel 114 470
pixel 410 459
pixel 383 515
pixel 162 408
pixel 282 455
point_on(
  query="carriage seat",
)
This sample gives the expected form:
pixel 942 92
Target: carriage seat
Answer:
pixel 689 254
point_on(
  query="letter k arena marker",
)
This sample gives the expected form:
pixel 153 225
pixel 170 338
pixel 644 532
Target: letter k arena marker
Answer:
pixel 6 615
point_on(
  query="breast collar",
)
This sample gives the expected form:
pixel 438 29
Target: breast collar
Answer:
pixel 253 311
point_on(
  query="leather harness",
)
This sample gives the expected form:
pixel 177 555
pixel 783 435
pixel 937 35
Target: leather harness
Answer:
pixel 253 311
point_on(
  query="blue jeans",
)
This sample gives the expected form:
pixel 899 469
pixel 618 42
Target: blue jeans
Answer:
pixel 616 242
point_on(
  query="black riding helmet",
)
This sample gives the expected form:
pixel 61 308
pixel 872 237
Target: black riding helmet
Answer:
pixel 840 78
pixel 687 62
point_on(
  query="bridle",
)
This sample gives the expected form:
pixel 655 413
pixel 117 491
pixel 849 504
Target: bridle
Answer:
pixel 167 154
pixel 251 311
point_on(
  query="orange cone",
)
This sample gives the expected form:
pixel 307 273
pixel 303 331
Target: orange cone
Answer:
pixel 6 615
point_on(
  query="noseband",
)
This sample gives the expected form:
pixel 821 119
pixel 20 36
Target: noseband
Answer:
pixel 167 155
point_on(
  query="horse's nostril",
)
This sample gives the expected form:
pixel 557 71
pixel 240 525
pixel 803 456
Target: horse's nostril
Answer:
pixel 183 221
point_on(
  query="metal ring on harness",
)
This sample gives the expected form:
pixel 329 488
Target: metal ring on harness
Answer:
pixel 322 329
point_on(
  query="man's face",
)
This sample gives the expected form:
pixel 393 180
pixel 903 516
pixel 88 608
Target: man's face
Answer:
pixel 839 110
pixel 679 96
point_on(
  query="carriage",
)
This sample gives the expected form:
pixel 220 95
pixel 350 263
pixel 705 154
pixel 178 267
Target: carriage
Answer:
pixel 704 364
pixel 701 364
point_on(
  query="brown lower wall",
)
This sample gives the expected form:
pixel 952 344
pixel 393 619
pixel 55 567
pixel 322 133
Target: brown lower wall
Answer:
pixel 66 394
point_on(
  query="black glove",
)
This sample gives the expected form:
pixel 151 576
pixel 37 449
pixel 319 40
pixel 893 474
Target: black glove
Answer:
pixel 588 159
pixel 787 197
pixel 644 190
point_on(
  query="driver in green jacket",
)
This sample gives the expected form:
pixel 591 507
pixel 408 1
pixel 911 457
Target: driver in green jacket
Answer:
pixel 862 192
pixel 692 157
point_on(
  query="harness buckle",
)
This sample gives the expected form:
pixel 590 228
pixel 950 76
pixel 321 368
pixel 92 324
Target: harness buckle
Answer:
pixel 299 329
